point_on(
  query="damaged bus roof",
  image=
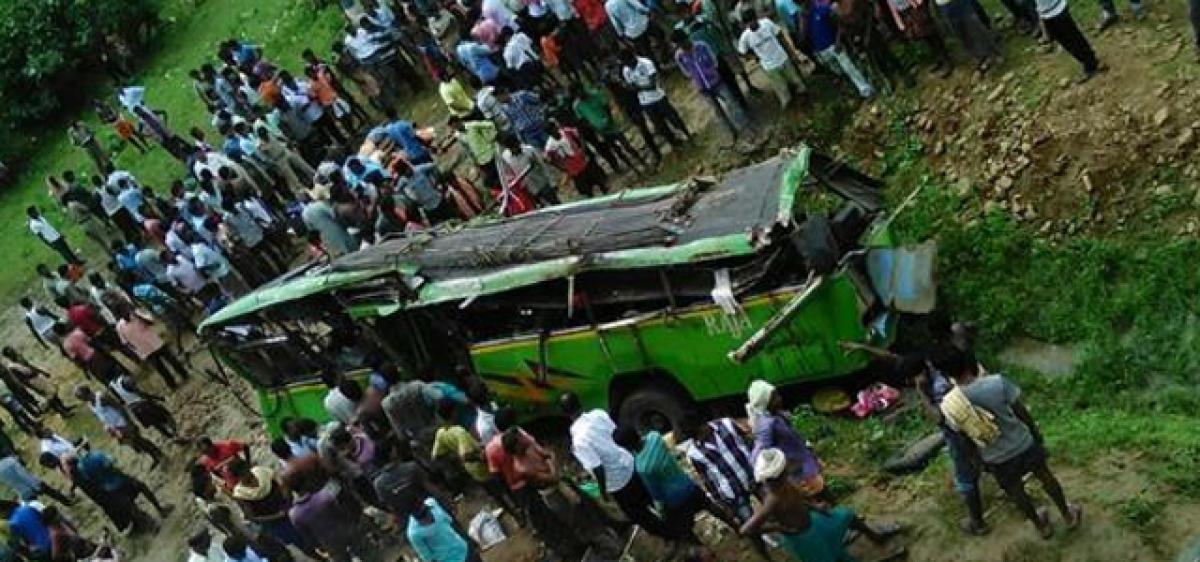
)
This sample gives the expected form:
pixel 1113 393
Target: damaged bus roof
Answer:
pixel 690 221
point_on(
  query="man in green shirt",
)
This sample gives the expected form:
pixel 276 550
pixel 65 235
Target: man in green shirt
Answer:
pixel 675 494
pixel 591 105
pixel 478 136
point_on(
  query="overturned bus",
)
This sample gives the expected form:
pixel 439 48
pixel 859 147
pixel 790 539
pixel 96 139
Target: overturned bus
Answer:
pixel 644 302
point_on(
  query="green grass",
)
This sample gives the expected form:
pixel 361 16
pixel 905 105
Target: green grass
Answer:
pixel 192 31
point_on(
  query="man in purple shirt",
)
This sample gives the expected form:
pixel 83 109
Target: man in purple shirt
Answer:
pixel 318 514
pixel 699 62
pixel 773 430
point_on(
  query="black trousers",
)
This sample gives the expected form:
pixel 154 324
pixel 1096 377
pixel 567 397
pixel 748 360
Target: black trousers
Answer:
pixel 1062 28
pixel 1023 11
pixel 64 250
pixel 164 362
pixel 665 118
pixel 635 502
pixel 637 116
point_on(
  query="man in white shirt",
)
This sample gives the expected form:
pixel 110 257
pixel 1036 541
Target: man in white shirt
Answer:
pixel 202 548
pixel 183 274
pixel 772 48
pixel 611 465
pixel 40 322
pixel 342 400
pixel 500 13
pixel 522 164
pixel 50 236
pixel 213 264
pixel 641 75
pixel 295 92
pixel 631 20
pixel 521 58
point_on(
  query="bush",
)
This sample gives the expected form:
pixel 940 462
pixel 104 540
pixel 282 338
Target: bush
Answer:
pixel 47 45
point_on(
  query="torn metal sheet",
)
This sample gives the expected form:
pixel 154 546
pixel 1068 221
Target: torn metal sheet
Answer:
pixel 904 277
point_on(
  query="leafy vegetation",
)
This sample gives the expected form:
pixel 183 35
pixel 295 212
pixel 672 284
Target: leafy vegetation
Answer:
pixel 46 44
pixel 1127 303
pixel 188 37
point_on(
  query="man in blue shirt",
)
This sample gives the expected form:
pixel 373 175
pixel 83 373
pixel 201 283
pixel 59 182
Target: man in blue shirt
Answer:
pixel 404 134
pixel 477 58
pixel 526 115
pixel 433 537
pixel 98 469
pixel 822 35
pixel 25 523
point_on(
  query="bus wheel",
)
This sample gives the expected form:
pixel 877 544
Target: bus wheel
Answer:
pixel 653 408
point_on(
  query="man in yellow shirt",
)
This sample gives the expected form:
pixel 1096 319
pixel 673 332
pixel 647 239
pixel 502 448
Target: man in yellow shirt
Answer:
pixel 452 439
pixel 455 96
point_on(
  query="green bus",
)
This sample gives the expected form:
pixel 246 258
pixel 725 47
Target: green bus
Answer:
pixel 645 302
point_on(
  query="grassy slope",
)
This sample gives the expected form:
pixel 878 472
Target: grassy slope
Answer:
pixel 283 27
pixel 1126 301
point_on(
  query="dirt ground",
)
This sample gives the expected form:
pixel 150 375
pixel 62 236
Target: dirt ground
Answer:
pixel 1110 155
pixel 1116 154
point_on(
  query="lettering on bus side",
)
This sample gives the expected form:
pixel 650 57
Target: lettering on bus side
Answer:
pixel 726 324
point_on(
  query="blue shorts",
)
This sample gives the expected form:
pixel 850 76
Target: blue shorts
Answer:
pixel 966 473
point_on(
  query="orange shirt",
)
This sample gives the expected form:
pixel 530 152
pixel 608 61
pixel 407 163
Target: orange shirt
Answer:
pixel 550 50
pixel 269 92
pixel 322 91
pixel 124 128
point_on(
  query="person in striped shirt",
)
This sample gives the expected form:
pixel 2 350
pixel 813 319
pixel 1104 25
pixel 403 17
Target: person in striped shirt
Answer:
pixel 719 451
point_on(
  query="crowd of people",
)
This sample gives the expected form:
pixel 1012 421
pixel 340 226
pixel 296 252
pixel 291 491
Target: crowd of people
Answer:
pixel 538 95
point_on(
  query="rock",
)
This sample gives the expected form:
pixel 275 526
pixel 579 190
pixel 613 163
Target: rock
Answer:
pixel 962 187
pixel 1173 50
pixel 1064 83
pixel 1022 163
pixel 1196 199
pixel 996 92
pixel 1163 190
pixel 1087 181
pixel 940 147
pixel 1004 184
pixel 1161 116
pixel 1185 139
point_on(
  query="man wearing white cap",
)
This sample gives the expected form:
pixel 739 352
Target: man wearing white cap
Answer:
pixel 810 530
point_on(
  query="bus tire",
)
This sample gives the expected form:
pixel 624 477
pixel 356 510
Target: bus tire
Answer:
pixel 654 408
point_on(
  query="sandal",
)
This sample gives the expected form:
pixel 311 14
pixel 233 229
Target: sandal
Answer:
pixel 1044 527
pixel 893 554
pixel 974 529
pixel 886 531
pixel 1076 516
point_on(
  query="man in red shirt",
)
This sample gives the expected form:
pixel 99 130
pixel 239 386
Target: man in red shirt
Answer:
pixel 85 317
pixel 82 316
pixel 565 150
pixel 78 347
pixel 215 456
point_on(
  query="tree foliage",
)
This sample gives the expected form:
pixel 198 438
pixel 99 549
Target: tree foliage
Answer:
pixel 46 44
